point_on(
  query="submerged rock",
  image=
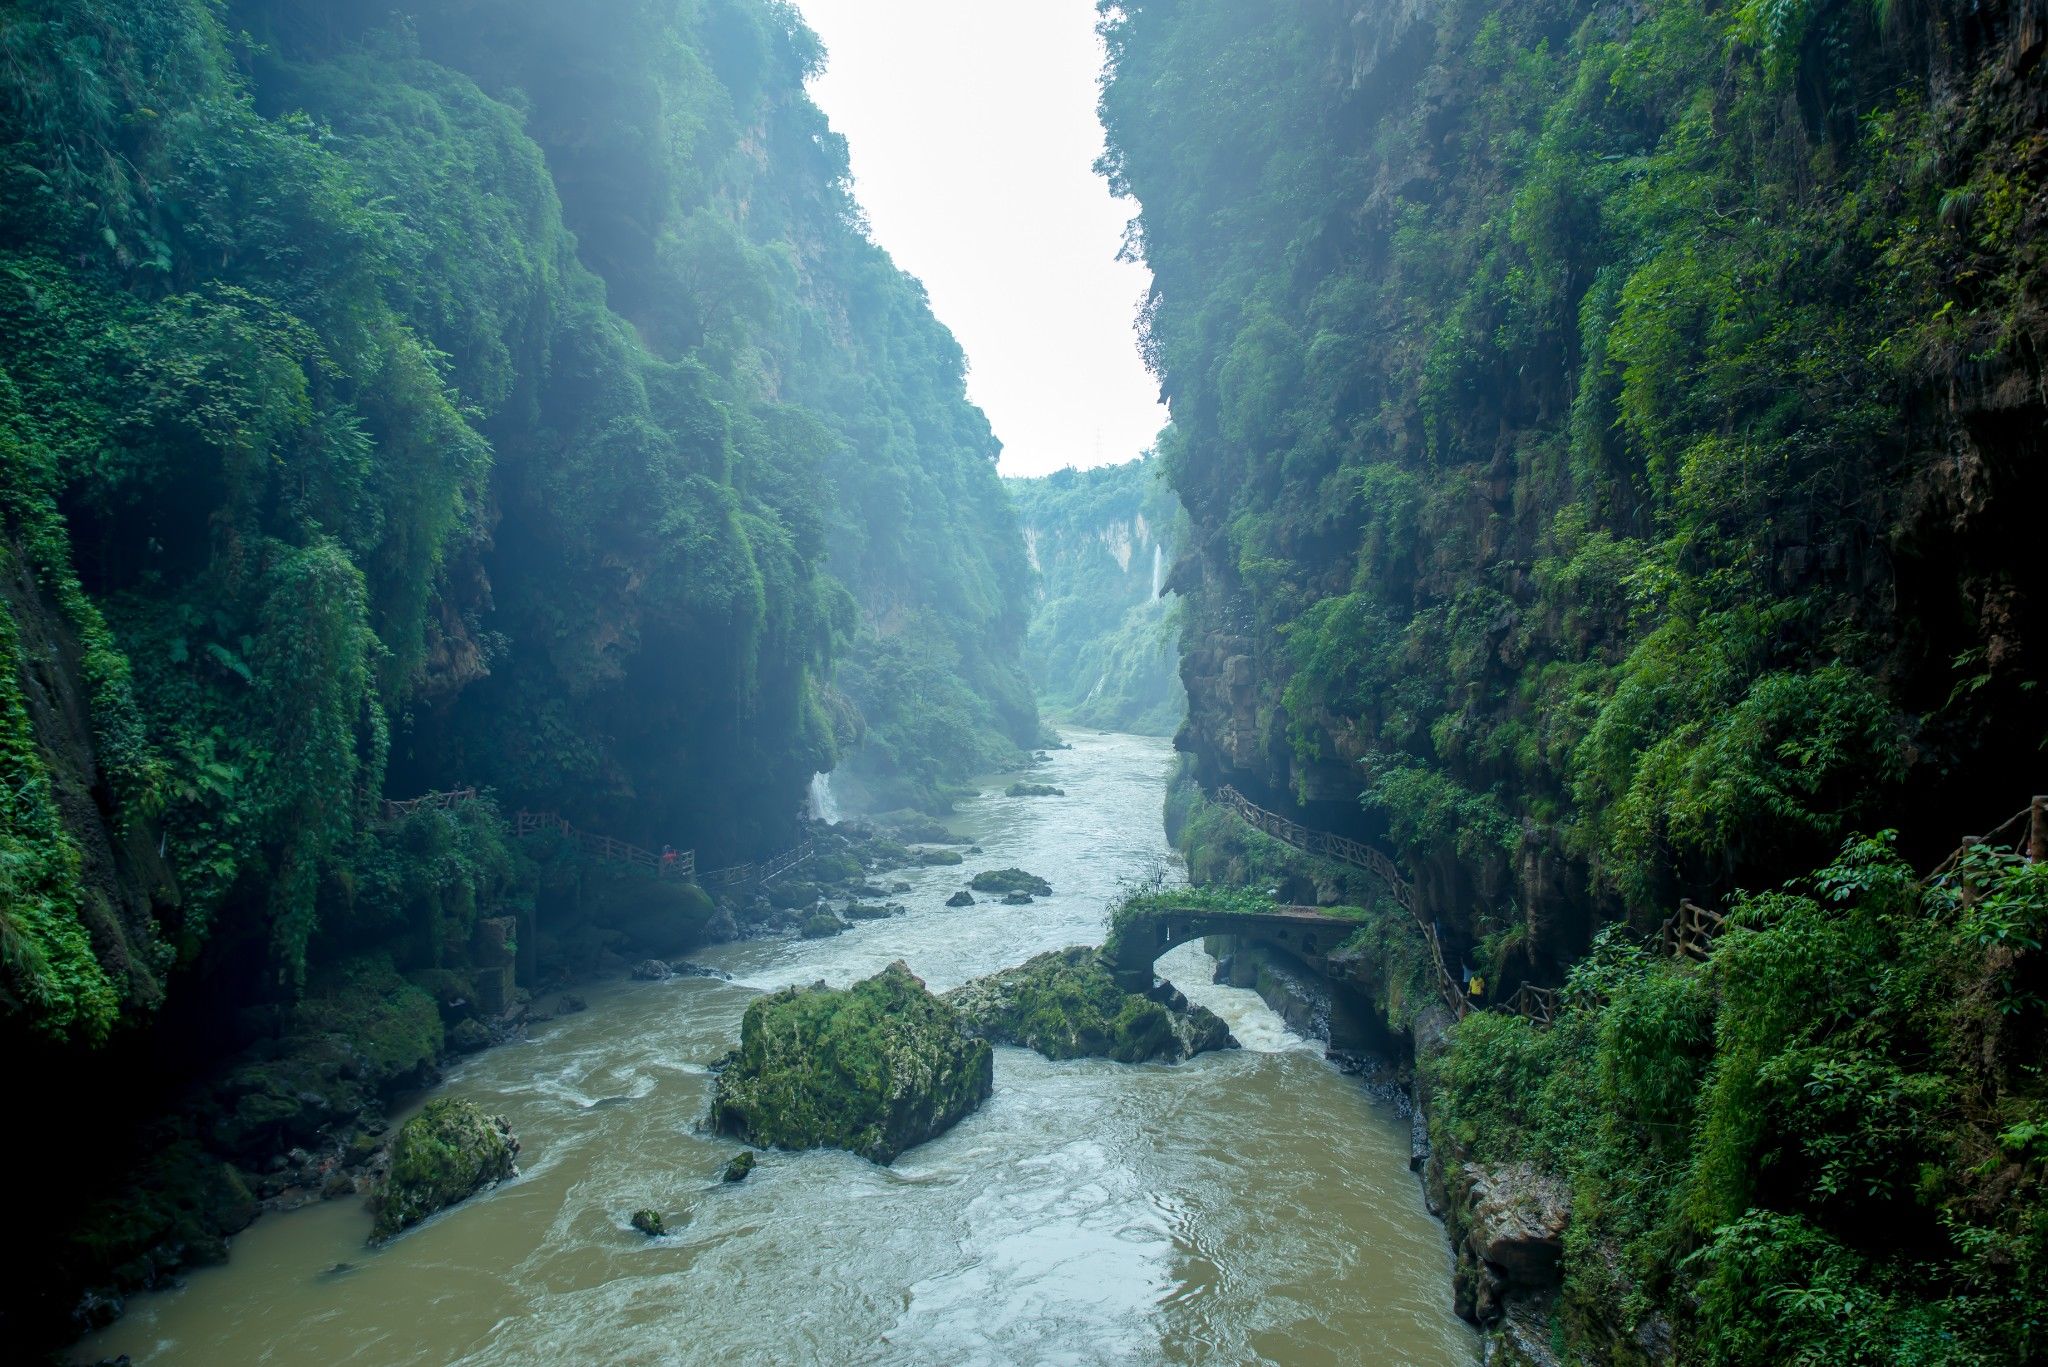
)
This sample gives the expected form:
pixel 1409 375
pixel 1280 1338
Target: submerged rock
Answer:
pixel 1066 1004
pixel 741 1165
pixel 447 1152
pixel 962 898
pixel 1017 899
pixel 1033 790
pixel 876 1069
pixel 1010 880
pixel 649 1222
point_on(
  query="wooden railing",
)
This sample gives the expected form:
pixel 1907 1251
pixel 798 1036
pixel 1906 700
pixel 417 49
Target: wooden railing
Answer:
pixel 1359 855
pixel 390 812
pixel 1689 932
pixel 762 873
pixel 2026 830
pixel 1342 848
pixel 1538 1005
pixel 604 849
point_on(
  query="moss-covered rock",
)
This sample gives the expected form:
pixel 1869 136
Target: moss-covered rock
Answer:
pixel 468 1037
pixel 930 858
pixel 792 894
pixel 447 1152
pixel 741 1165
pixel 1033 790
pixel 835 868
pixel 393 1025
pixel 1066 1004
pixel 962 898
pixel 876 1069
pixel 650 1223
pixel 822 926
pixel 870 911
pixel 1010 880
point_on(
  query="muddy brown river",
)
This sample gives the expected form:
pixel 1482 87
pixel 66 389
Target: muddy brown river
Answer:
pixel 1249 1206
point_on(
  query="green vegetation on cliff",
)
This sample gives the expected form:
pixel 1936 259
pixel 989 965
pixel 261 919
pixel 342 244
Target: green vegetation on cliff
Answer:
pixel 1609 438
pixel 876 1069
pixel 1827 1144
pixel 1611 444
pixel 490 394
pixel 1102 645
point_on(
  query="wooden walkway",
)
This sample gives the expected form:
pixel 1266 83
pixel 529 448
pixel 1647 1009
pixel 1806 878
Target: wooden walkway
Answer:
pixel 1688 933
pixel 391 812
pixel 762 873
pixel 607 850
pixel 1359 855
pixel 603 848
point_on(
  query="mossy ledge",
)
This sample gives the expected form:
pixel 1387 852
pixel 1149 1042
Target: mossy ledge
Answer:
pixel 445 1154
pixel 875 1069
pixel 1066 1004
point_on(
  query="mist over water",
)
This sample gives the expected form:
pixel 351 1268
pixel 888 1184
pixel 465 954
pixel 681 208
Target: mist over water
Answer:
pixel 1245 1206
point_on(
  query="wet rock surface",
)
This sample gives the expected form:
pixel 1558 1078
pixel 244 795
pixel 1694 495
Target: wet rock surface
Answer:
pixel 445 1154
pixel 1010 880
pixel 876 1069
pixel 1066 1004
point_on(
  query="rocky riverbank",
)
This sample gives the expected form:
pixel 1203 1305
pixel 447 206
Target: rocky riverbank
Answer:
pixel 301 1113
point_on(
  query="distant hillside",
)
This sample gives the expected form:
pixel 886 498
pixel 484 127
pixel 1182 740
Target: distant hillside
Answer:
pixel 1103 646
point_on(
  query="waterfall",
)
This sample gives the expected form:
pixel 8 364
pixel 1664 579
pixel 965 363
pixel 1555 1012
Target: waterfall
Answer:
pixel 1158 551
pixel 824 807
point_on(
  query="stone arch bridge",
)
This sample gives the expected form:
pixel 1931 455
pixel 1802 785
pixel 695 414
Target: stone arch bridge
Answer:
pixel 1306 932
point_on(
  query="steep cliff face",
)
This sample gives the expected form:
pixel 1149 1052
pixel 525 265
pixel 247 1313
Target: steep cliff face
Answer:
pixel 485 395
pixel 1611 435
pixel 1101 647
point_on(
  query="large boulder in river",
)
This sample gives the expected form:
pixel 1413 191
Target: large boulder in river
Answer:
pixel 1010 880
pixel 1066 1004
pixel 876 1068
pixel 448 1152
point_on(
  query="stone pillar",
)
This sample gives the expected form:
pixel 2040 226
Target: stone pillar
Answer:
pixel 495 951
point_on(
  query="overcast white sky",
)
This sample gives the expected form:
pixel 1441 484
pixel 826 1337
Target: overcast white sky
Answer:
pixel 972 127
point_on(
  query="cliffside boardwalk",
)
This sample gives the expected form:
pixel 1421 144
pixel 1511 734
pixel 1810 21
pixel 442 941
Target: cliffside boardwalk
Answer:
pixel 1360 855
pixel 603 848
pixel 762 873
pixel 1688 933
pixel 390 812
